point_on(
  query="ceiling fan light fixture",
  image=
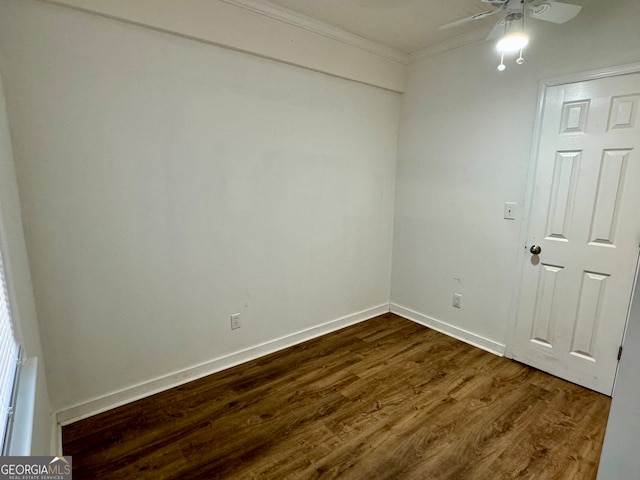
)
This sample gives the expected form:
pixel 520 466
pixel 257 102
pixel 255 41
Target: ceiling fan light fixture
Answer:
pixel 512 25
pixel 512 43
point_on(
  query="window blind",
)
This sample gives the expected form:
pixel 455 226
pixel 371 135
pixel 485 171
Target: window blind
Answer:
pixel 9 350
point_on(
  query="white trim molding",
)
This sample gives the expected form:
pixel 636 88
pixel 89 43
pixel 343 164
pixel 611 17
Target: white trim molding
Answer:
pixel 589 75
pixel 310 24
pixel 465 336
pixel 55 442
pixel 130 394
pixel 21 435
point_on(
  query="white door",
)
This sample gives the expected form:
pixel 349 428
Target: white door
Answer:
pixel 585 217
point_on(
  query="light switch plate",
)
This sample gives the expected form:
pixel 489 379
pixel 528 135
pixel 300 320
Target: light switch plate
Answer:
pixel 457 300
pixel 510 210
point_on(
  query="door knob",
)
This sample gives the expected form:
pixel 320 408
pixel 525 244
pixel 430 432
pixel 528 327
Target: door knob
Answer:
pixel 535 249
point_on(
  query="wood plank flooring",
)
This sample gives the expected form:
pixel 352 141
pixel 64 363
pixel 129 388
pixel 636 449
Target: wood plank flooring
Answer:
pixel 384 399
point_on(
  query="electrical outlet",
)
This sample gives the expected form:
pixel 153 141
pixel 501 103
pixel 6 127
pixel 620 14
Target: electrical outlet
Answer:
pixel 457 300
pixel 235 321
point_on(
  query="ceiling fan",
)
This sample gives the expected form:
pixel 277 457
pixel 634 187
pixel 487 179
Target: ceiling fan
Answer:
pixel 550 11
pixel 514 12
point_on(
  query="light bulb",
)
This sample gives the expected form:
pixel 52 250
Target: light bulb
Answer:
pixel 520 61
pixel 512 42
pixel 501 67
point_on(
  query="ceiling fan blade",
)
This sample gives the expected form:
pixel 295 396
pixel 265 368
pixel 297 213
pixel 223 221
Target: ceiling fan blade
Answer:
pixel 477 16
pixel 555 12
pixel 497 31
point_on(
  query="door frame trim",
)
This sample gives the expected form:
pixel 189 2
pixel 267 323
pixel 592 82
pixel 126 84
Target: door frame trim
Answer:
pixel 543 87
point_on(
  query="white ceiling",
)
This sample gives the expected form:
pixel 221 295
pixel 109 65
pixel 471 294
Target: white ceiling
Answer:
pixel 406 26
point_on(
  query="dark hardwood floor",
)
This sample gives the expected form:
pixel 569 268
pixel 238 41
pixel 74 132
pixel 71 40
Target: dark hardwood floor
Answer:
pixel 384 399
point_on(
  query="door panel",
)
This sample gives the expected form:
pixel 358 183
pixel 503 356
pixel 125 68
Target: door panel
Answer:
pixel 563 191
pixel 575 294
pixel 544 317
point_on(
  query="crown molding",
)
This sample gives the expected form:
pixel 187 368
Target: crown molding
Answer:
pixel 305 22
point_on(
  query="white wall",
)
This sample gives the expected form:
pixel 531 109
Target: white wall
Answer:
pixel 620 450
pixel 226 22
pixel 19 283
pixel 465 141
pixel 167 184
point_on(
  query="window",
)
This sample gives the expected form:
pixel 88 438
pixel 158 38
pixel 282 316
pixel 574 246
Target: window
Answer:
pixel 9 354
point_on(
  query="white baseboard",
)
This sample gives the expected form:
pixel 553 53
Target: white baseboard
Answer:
pixel 453 331
pixel 106 402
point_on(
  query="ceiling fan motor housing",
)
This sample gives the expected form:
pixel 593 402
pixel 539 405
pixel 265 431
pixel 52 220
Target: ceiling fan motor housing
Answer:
pixel 515 7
